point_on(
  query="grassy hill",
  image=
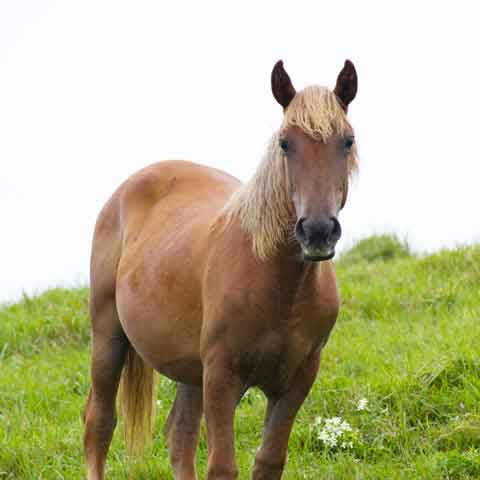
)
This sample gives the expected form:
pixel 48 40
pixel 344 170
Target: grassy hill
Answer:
pixel 402 368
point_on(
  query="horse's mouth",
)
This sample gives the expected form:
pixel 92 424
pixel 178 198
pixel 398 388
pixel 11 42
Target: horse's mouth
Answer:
pixel 317 254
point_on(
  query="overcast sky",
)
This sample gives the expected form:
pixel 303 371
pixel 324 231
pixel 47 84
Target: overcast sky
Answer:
pixel 92 91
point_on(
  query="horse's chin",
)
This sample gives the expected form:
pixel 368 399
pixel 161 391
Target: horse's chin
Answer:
pixel 317 255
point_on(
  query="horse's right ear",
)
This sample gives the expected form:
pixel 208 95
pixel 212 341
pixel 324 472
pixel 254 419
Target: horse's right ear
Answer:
pixel 282 87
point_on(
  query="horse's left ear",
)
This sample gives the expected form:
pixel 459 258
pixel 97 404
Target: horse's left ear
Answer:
pixel 346 87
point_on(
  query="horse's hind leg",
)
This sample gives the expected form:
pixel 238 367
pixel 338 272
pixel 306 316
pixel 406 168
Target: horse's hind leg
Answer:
pixel 182 430
pixel 108 356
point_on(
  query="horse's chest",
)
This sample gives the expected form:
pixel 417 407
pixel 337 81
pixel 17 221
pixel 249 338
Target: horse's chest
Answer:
pixel 272 360
pixel 273 323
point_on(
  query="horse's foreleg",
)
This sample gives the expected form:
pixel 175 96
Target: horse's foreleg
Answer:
pixel 108 355
pixel 182 430
pixel 281 412
pixel 221 391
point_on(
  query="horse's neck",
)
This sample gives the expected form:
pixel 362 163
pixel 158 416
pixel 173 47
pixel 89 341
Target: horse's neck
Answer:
pixel 263 205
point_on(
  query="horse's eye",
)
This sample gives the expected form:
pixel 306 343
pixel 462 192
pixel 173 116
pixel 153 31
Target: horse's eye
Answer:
pixel 284 145
pixel 348 143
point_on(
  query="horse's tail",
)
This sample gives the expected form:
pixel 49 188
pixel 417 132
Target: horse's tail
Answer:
pixel 137 400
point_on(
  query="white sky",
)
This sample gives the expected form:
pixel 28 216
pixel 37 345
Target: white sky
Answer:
pixel 92 91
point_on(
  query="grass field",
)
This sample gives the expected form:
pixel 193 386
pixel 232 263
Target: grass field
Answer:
pixel 401 367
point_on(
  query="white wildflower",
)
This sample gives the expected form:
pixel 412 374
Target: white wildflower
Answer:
pixel 331 431
pixel 362 404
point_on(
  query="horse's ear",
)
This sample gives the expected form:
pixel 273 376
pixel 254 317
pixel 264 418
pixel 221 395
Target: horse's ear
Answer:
pixel 347 83
pixel 282 87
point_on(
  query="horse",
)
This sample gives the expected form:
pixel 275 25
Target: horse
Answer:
pixel 221 286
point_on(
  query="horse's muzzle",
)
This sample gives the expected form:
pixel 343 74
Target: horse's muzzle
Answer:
pixel 318 237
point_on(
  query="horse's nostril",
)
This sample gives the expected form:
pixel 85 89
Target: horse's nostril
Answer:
pixel 300 229
pixel 336 229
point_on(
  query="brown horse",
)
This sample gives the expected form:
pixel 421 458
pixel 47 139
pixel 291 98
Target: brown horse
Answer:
pixel 221 286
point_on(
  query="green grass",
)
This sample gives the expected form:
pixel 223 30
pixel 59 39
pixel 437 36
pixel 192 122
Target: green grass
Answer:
pixel 407 340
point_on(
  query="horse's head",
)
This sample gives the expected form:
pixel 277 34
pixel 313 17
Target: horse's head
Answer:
pixel 318 146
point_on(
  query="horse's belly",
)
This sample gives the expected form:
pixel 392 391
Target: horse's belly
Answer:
pixel 160 310
pixel 168 340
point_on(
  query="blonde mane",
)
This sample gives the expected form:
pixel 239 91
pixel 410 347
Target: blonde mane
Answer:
pixel 263 205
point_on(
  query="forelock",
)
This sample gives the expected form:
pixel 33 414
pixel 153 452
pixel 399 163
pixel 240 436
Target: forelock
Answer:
pixel 317 112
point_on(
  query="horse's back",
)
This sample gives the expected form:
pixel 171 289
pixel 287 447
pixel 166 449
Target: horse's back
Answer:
pixel 173 185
